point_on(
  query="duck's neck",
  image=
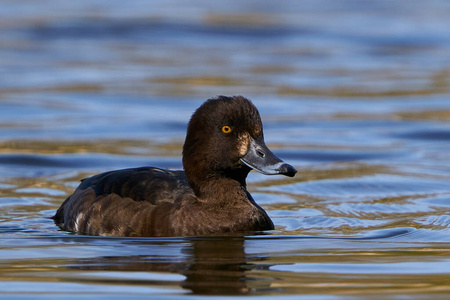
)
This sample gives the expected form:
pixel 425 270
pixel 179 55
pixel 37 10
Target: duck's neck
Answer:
pixel 208 183
pixel 222 189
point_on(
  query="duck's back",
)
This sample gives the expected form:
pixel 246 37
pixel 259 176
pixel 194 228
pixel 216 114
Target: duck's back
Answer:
pixel 117 202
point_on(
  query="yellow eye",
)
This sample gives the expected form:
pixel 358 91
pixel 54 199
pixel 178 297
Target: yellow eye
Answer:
pixel 226 129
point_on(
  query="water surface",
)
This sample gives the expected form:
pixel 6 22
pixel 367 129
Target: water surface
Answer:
pixel 354 95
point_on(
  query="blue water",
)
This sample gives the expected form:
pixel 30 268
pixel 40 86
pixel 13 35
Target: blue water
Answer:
pixel 354 94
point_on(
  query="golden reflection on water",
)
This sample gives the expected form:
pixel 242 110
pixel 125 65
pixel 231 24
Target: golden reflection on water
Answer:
pixel 120 147
pixel 223 267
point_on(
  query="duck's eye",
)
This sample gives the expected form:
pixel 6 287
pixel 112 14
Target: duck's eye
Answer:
pixel 226 129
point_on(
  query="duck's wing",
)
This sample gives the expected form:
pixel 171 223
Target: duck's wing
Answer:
pixel 140 184
pixel 111 203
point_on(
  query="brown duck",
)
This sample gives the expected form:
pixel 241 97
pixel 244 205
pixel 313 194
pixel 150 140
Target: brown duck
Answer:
pixel 224 141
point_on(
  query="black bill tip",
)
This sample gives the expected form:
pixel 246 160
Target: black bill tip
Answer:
pixel 286 169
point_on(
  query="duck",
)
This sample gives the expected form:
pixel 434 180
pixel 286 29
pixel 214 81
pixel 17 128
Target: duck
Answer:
pixel 224 142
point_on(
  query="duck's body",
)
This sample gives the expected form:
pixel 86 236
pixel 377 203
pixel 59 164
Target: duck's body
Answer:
pixel 154 202
pixel 224 141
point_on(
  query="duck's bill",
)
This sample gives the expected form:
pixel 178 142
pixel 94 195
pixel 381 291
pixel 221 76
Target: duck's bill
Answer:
pixel 261 159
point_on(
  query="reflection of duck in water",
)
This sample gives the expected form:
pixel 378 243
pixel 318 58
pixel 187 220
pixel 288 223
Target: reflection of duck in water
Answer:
pixel 219 267
pixel 210 266
pixel 224 142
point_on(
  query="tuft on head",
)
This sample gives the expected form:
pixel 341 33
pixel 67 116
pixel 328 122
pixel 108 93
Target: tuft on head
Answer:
pixel 238 111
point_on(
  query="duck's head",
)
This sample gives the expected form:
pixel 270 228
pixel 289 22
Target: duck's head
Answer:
pixel 225 139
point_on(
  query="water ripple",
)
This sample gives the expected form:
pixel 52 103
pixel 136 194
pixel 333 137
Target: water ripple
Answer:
pixel 436 267
pixel 39 164
pixel 366 187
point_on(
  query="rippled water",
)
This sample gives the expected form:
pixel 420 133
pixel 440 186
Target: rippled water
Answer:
pixel 354 94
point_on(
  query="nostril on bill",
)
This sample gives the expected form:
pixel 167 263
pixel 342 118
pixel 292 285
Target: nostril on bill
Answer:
pixel 260 153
